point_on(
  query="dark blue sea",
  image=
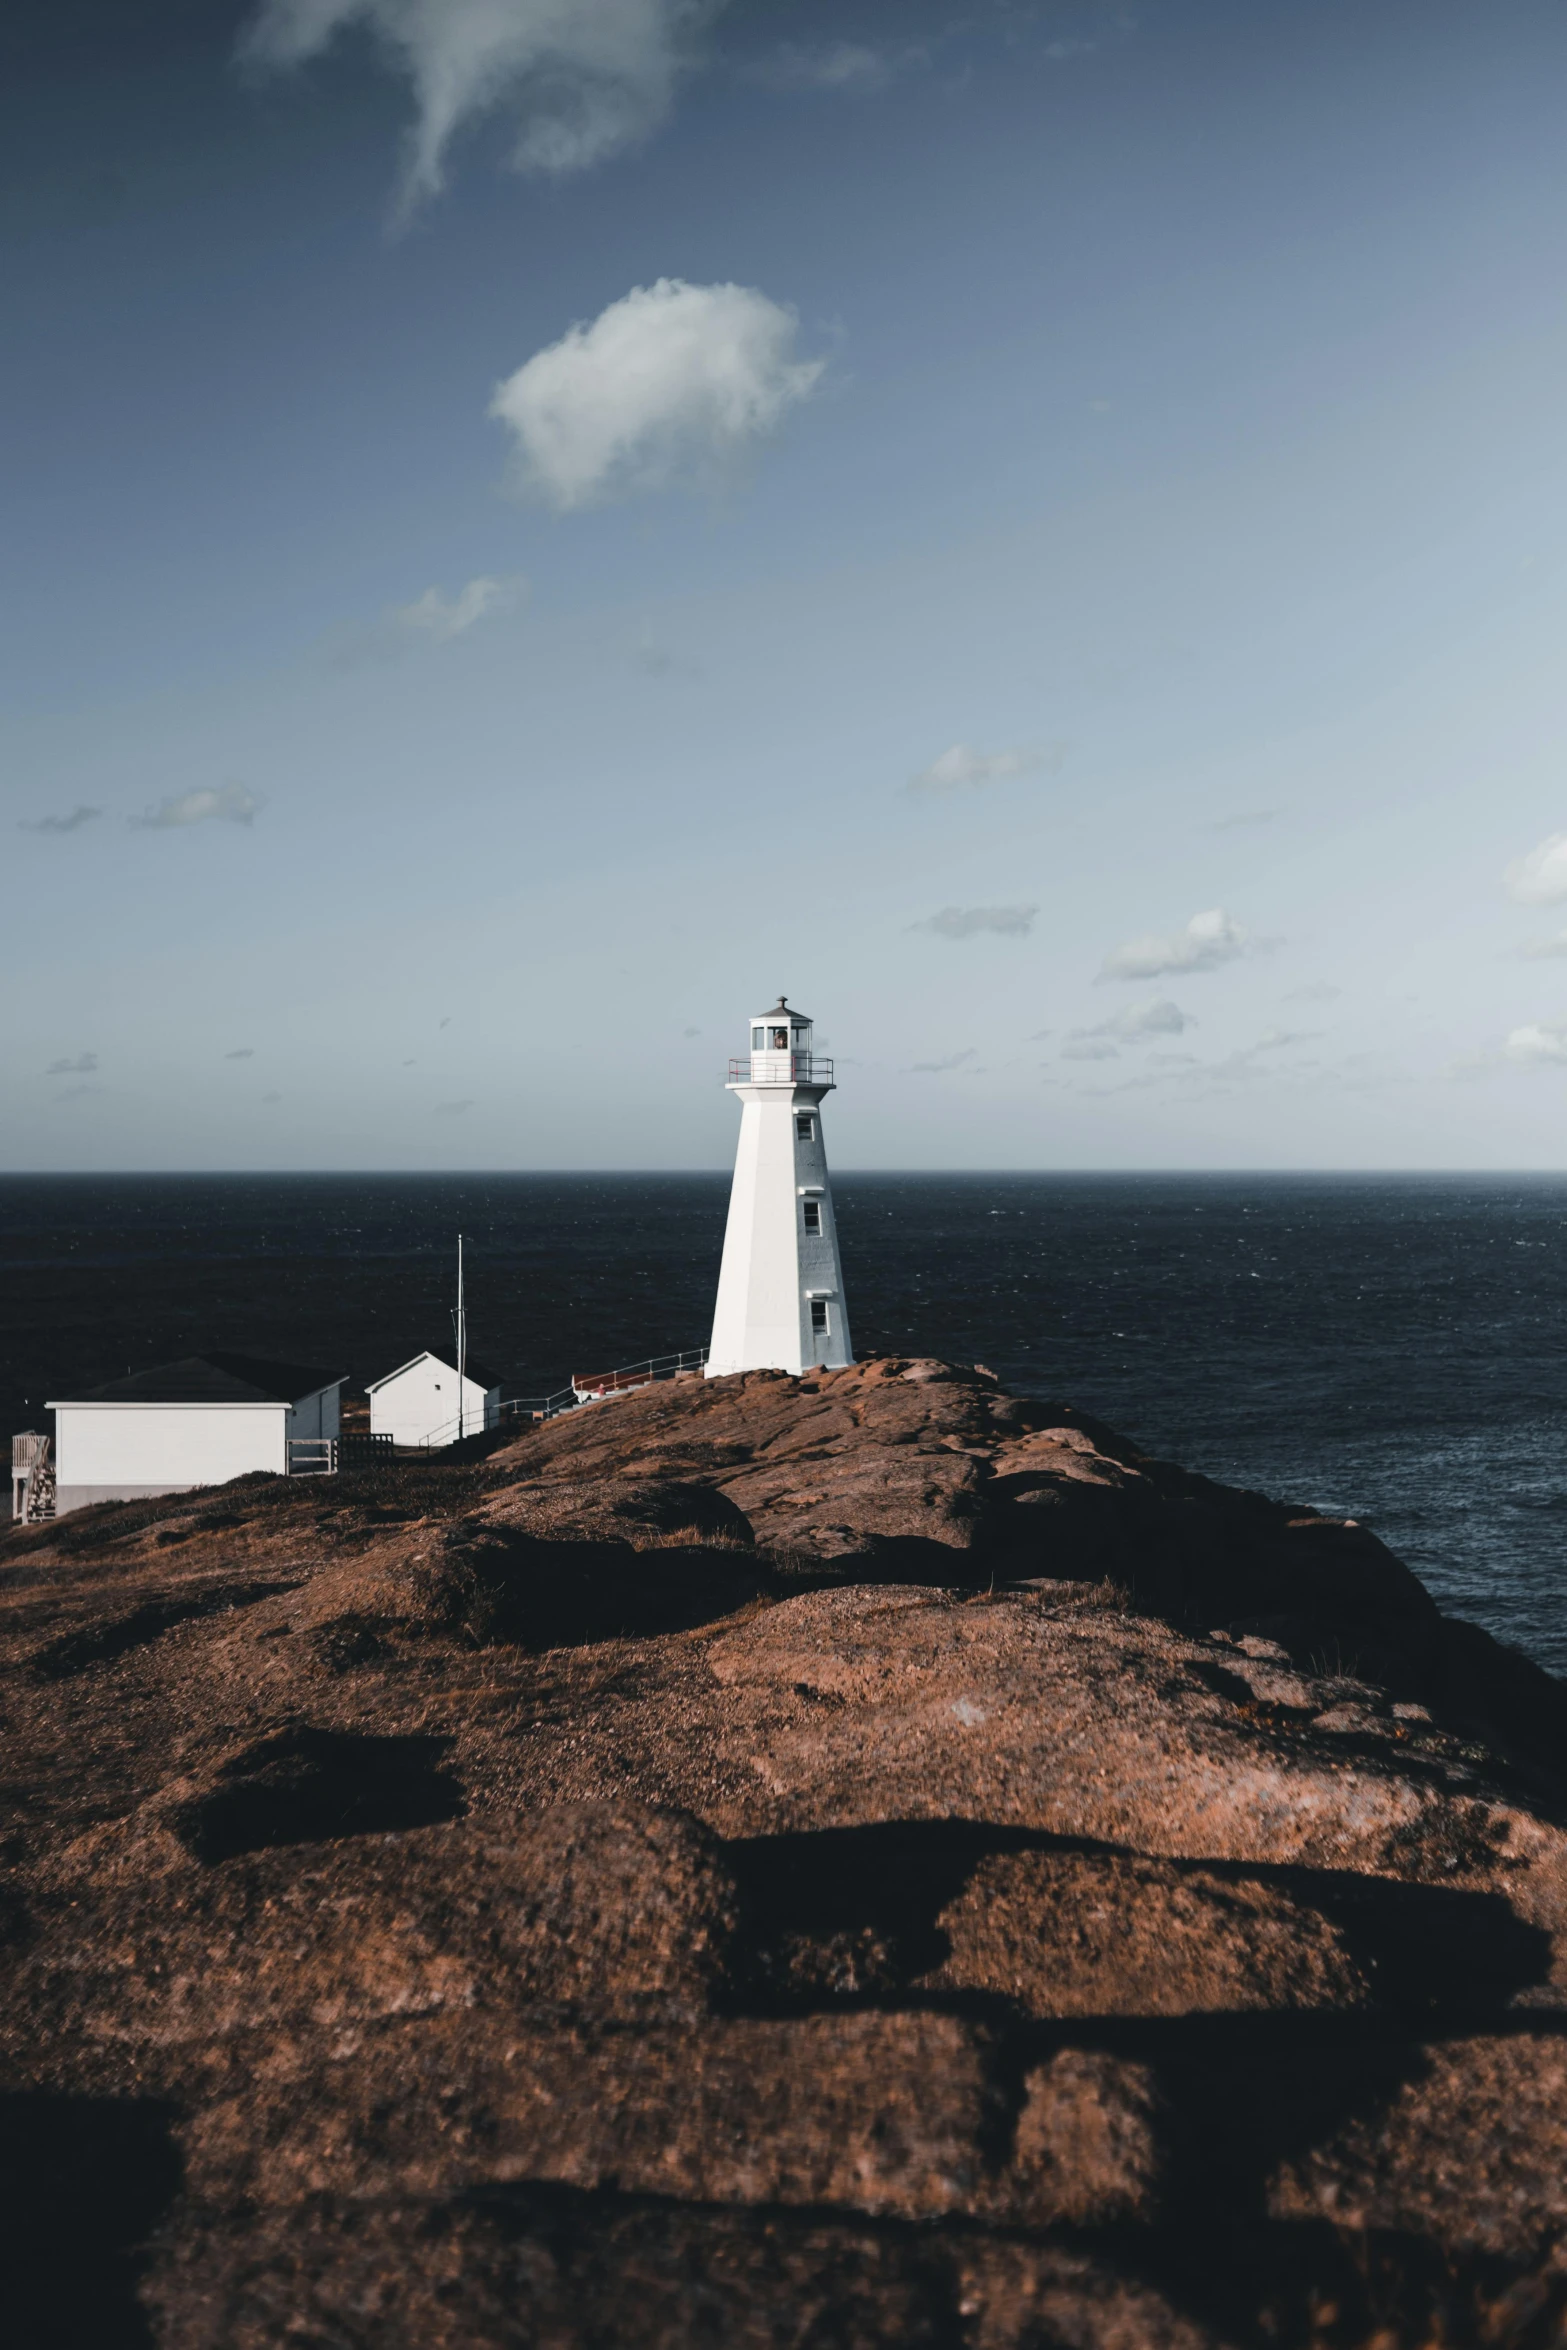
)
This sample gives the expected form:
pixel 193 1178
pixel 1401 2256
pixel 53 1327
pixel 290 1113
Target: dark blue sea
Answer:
pixel 1393 1347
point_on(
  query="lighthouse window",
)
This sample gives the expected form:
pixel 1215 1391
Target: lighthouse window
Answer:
pixel 805 1128
pixel 818 1313
pixel 758 1040
pixel 813 1215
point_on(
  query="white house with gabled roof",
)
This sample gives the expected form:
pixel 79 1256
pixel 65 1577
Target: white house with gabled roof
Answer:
pixel 199 1421
pixel 421 1401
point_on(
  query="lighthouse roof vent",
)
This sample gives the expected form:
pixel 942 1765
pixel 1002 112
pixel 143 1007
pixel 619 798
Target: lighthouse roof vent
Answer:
pixel 782 1011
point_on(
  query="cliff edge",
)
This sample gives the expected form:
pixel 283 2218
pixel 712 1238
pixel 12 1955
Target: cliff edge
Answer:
pixel 856 1861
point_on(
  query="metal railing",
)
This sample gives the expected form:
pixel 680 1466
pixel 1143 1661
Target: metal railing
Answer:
pixel 780 1069
pixel 586 1387
pixel 312 1456
pixel 32 1479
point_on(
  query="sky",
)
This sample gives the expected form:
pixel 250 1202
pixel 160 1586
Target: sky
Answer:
pixel 534 526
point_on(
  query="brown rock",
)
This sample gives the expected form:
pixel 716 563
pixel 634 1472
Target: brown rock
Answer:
pixel 858 1860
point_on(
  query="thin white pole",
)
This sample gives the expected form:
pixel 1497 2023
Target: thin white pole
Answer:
pixel 462 1342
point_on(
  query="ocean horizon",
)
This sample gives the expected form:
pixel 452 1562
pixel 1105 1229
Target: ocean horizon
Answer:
pixel 1391 1347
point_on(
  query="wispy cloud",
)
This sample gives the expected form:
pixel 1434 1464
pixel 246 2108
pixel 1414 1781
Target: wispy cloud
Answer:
pixel 83 1066
pixel 1320 992
pixel 1208 941
pixel 79 815
pixel 1539 878
pixel 580 79
pixel 972 921
pixel 963 768
pixel 1135 1021
pixel 244 1052
pixel 1090 1048
pixel 1543 1040
pixel 663 389
pixel 939 1068
pixel 451 1109
pixel 854 67
pixel 232 805
pixel 444 617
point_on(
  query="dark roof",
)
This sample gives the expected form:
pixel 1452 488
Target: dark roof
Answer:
pixel 214 1378
pixel 443 1354
pixel 784 1010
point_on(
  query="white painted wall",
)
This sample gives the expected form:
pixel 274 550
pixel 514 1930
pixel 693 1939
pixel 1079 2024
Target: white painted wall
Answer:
pixel 167 1446
pixel 420 1401
pixel 762 1319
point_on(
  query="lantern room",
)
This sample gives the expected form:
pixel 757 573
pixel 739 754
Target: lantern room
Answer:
pixel 781 1050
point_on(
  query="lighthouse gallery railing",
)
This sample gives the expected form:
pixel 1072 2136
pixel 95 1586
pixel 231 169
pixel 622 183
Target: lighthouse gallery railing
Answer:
pixel 780 1069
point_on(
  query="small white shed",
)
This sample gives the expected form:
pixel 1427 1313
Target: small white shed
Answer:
pixel 419 1403
pixel 195 1422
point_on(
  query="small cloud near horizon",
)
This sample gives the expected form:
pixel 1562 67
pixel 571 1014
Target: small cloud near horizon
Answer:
pixel 1537 1042
pixel 81 814
pixel 450 1109
pixel 82 1066
pixel 1209 940
pixel 1539 878
pixel 1160 1018
pixel 971 921
pixel 244 1052
pixel 939 1068
pixel 963 768
pixel 234 804
pixel 663 390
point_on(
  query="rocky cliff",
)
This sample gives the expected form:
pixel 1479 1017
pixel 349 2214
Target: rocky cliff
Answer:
pixel 865 1860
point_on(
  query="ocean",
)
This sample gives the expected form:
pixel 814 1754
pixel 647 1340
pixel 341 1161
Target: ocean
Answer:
pixel 1393 1348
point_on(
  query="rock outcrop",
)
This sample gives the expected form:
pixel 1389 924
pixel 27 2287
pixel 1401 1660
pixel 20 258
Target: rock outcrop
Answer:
pixel 863 1860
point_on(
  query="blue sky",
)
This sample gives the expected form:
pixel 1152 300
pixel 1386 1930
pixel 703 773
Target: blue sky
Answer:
pixel 1037 530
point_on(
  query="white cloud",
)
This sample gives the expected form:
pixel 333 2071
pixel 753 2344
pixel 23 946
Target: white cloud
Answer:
pixel 1207 941
pixel 1540 878
pixel 81 814
pixel 661 388
pixel 1539 1041
pixel 83 1066
pixel 939 1068
pixel 969 921
pixel 1161 1018
pixel 444 617
pixel 581 79
pixel 1090 1048
pixel 232 805
pixel 962 768
pixel 849 66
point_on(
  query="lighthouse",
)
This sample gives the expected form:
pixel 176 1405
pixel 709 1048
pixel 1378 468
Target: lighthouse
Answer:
pixel 780 1286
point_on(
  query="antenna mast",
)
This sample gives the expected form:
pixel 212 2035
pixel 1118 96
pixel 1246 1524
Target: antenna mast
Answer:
pixel 462 1342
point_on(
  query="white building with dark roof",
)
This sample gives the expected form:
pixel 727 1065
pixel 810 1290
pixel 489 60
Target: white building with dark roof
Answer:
pixel 421 1403
pixel 200 1421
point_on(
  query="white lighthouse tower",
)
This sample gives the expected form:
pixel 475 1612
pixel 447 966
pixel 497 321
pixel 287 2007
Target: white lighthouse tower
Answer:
pixel 780 1287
